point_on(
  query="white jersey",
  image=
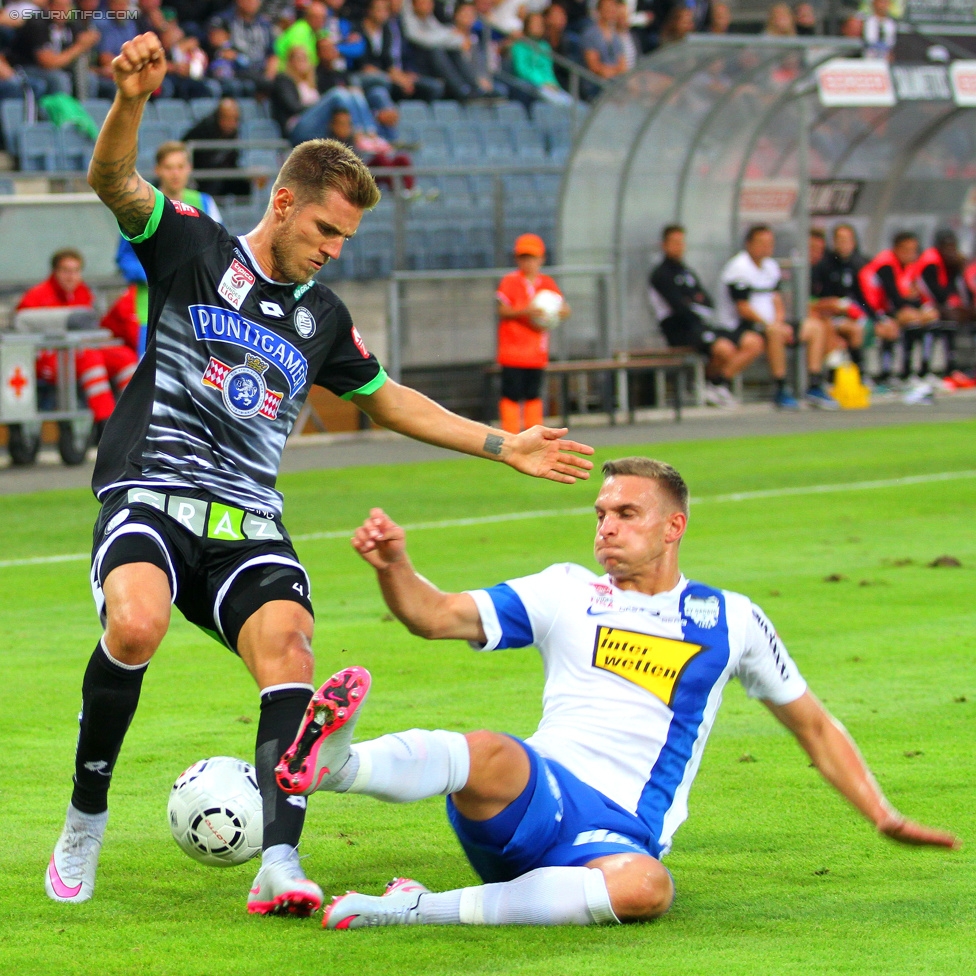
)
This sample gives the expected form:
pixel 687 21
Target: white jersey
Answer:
pixel 633 682
pixel 742 279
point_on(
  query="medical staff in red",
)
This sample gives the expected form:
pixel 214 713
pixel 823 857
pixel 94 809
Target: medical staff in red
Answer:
pixel 889 287
pixel 103 373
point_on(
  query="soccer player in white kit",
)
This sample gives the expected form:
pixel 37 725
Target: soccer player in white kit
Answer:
pixel 568 827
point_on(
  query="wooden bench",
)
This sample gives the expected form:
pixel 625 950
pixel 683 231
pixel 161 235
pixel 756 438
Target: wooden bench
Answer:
pixel 663 363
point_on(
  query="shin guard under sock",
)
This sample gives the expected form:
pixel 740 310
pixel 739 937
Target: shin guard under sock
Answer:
pixel 282 708
pixel 110 694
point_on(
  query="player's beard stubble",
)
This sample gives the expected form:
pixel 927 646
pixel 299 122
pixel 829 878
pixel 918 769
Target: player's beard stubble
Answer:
pixel 285 245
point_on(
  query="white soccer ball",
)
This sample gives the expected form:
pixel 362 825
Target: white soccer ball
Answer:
pixel 546 307
pixel 215 812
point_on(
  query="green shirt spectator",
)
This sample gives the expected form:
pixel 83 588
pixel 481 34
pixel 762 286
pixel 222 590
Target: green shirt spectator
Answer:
pixel 305 32
pixel 533 65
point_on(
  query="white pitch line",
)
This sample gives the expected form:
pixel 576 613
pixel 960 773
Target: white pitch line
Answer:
pixel 740 496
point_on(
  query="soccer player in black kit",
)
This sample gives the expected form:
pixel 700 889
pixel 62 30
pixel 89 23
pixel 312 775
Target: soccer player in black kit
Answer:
pixel 186 470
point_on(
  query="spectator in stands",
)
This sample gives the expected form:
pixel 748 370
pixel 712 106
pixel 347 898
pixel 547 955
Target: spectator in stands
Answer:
pixel 749 300
pixel 779 22
pixel 678 24
pixel 890 291
pixel 186 76
pixel 560 41
pixel 374 106
pixel 476 55
pixel 721 19
pixel 880 31
pixel 628 38
pixel 114 33
pixel 532 62
pixel 436 50
pixel 304 32
pixel 305 114
pixel 98 370
pixel 687 317
pixel 46 48
pixel 805 19
pixel 939 277
pixel 250 35
pixel 341 129
pixel 835 295
pixel 384 52
pixel 344 34
pixel 523 346
pixel 14 85
pixel 152 18
pixel 603 51
pixel 222 124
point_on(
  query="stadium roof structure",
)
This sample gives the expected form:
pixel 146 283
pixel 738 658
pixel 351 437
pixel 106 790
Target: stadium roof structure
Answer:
pixel 717 133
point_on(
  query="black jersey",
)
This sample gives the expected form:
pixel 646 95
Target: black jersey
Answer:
pixel 229 358
pixel 676 292
pixel 837 277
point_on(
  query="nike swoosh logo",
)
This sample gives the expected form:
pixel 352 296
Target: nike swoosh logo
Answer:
pixel 60 888
pixel 593 613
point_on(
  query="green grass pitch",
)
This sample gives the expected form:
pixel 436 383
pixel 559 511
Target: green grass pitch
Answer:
pixel 775 874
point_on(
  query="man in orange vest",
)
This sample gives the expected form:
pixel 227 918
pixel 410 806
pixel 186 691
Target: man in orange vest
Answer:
pixel 889 288
pixel 523 344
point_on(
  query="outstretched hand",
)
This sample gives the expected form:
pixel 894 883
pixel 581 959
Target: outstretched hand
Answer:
pixel 543 453
pixel 379 540
pixel 907 831
pixel 140 66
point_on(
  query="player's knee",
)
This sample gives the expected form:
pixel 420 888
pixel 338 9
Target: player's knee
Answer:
pixel 648 894
pixel 135 631
pixel 490 751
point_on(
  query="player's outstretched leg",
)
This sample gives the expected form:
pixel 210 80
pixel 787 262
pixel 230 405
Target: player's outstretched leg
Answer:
pixel 545 896
pixel 321 748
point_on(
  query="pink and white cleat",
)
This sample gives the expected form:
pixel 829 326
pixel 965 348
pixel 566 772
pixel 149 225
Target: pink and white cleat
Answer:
pixel 322 744
pixel 396 906
pixel 281 888
pixel 70 875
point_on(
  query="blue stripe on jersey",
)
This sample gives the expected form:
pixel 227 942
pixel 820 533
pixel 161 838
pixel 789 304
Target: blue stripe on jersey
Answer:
pixel 514 621
pixel 690 698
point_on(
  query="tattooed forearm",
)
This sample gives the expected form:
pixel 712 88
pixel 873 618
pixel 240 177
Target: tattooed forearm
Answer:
pixel 112 171
pixel 493 444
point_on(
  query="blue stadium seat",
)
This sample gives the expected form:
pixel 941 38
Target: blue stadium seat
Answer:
pixel 151 136
pixel 75 149
pixel 529 143
pixel 498 143
pixel 97 108
pixel 250 109
pixel 37 147
pixel 200 107
pixel 548 116
pixel 466 140
pixel 11 120
pixel 175 112
pixel 520 189
pixel 370 252
pixel 446 112
pixel 434 145
pixel 260 129
pixel 414 112
pixel 511 113
pixel 481 114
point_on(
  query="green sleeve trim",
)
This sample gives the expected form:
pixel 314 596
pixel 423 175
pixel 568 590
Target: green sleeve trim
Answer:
pixel 154 218
pixel 371 387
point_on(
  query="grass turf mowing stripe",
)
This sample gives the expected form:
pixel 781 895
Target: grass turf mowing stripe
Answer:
pixel 741 496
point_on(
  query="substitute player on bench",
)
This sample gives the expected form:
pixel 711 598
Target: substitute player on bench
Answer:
pixel 238 329
pixel 569 826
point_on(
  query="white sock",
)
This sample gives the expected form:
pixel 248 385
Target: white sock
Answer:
pixel 546 896
pixel 410 765
pixel 284 854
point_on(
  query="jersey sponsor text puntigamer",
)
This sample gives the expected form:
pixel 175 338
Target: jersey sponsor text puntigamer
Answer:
pixel 229 359
pixel 633 682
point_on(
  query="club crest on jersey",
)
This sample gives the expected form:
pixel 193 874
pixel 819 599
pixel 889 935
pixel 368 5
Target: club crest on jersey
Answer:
pixel 360 345
pixel 214 324
pixel 304 322
pixel 235 284
pixel 243 388
pixel 656 664
pixel 702 610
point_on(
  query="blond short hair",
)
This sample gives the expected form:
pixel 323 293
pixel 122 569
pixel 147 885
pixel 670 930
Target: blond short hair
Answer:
pixel 319 165
pixel 667 478
pixel 168 148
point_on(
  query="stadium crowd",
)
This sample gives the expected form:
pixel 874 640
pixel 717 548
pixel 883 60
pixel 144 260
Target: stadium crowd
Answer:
pixel 368 53
pixel 903 300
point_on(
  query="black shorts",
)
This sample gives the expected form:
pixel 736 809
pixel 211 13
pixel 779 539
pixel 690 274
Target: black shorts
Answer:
pixel 695 335
pixel 223 563
pixel 521 384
